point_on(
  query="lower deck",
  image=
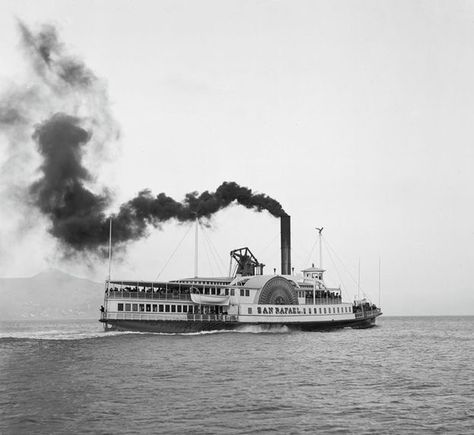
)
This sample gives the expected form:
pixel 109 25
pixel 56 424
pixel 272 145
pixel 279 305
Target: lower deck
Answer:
pixel 292 317
pixel 176 326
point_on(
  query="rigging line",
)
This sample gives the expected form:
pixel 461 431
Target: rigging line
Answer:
pixel 207 249
pixel 345 267
pixel 217 258
pixel 340 260
pixel 335 267
pixel 308 260
pixel 272 241
pixel 221 264
pixel 174 252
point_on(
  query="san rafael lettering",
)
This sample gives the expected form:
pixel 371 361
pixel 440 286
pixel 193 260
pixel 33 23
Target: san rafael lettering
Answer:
pixel 282 310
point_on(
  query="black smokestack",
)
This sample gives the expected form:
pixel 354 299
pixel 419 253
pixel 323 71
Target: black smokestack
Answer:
pixel 285 227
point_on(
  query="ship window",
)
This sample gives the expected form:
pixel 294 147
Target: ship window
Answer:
pixel 142 307
pixel 127 307
pixel 148 308
pixel 247 292
pixel 242 292
pixel 155 308
pixel 173 308
pixel 167 308
pixel 160 308
pixel 309 310
pixel 185 308
pixel 259 310
pixel 250 310
pixel 218 291
pixel 232 292
pixel 320 311
pixel 227 292
pixel 213 291
pixel 324 310
pixel 135 307
pixel 120 307
pixel 178 308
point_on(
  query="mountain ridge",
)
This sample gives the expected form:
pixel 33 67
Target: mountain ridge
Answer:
pixel 50 294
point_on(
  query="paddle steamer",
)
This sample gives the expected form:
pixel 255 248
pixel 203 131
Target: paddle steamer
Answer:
pixel 249 297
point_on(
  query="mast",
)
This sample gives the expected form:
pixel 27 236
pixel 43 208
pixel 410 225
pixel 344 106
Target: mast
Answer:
pixel 110 247
pixel 196 248
pixel 358 284
pixel 380 261
pixel 320 230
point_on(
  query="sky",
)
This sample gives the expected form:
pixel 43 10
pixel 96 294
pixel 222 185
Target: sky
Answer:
pixel 357 116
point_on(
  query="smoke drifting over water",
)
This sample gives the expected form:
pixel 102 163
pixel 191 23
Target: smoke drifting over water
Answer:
pixel 78 121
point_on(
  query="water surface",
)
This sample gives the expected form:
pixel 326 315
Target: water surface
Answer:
pixel 406 375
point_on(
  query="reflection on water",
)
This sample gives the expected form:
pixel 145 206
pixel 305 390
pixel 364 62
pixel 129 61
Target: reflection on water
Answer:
pixel 407 375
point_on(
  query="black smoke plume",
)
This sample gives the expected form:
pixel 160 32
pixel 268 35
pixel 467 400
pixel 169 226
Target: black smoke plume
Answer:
pixel 77 215
pixel 62 192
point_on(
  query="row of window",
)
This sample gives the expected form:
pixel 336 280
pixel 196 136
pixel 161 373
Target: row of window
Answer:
pixel 231 292
pixel 156 308
pixel 300 310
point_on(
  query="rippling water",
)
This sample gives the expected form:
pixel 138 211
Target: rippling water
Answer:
pixel 407 375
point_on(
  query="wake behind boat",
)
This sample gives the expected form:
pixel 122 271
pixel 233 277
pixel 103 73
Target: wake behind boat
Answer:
pixel 249 297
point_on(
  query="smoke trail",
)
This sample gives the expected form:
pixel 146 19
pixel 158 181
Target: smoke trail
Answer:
pixel 77 216
pixel 53 81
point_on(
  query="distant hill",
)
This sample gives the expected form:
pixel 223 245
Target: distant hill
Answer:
pixel 50 295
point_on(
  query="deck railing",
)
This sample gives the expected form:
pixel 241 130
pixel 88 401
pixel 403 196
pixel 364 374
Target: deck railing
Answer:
pixel 148 295
pixel 367 313
pixel 323 301
pixel 104 316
